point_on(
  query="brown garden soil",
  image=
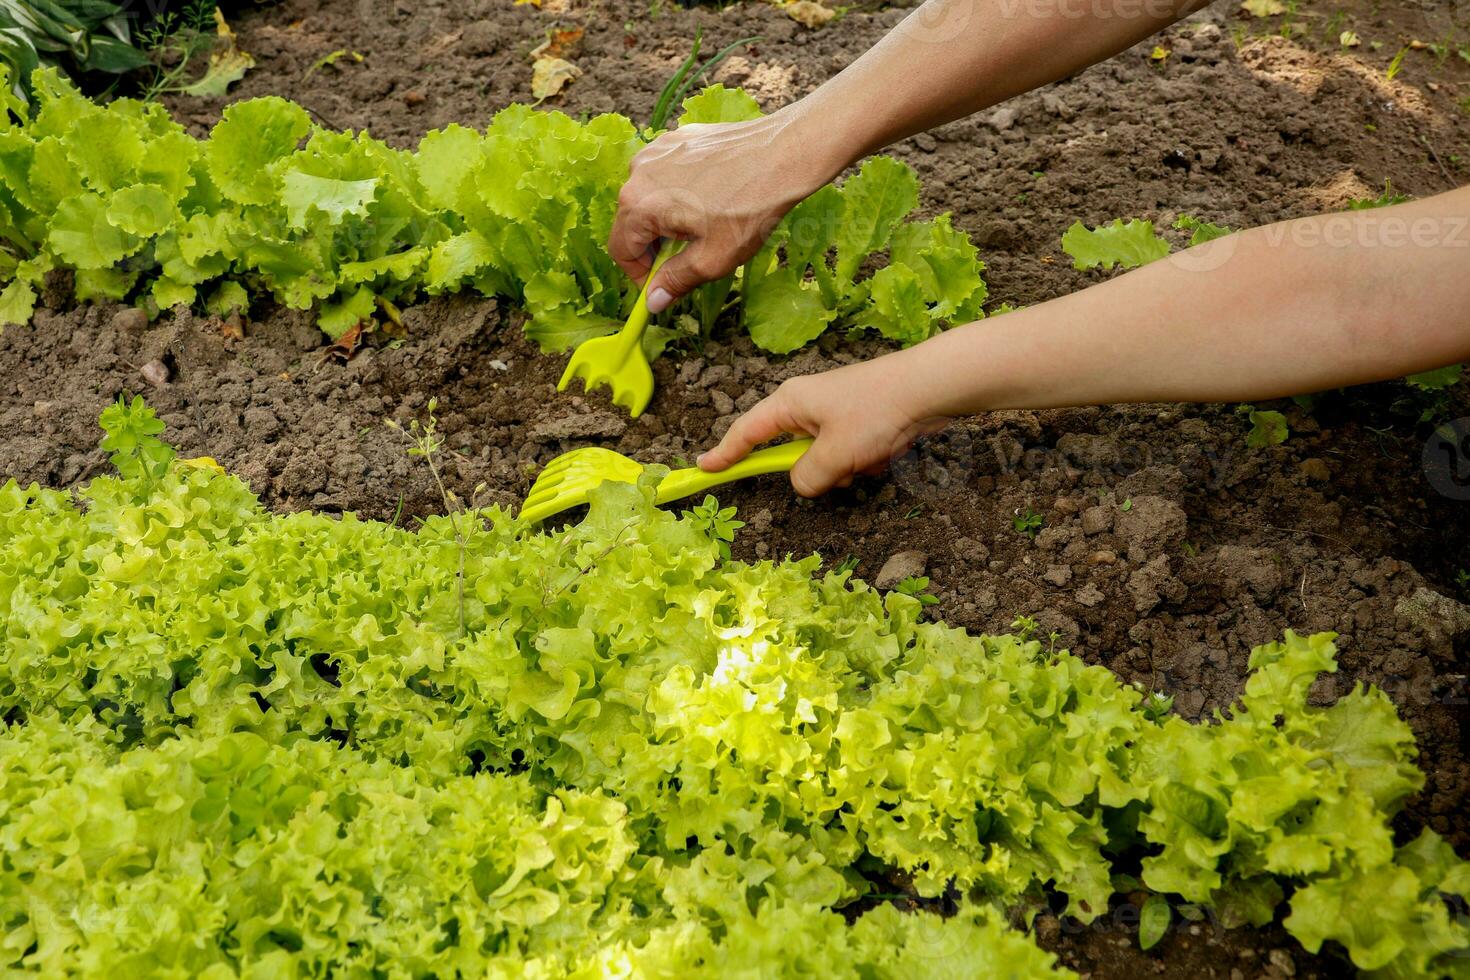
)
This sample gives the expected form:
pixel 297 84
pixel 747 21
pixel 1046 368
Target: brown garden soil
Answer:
pixel 1168 550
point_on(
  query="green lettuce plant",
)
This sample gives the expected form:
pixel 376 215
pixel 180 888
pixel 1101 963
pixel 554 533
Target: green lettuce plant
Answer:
pixel 271 205
pixel 236 741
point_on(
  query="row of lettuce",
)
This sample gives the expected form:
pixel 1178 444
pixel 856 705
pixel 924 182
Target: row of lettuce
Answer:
pixel 240 743
pixel 269 204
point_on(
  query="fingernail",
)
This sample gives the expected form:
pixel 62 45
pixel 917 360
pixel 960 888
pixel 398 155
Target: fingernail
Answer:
pixel 659 300
pixel 701 459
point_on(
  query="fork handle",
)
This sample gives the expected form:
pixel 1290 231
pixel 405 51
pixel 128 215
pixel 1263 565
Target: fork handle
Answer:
pixel 776 459
pixel 632 333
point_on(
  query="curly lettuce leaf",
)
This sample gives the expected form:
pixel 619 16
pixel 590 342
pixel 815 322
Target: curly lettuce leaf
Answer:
pixel 1126 244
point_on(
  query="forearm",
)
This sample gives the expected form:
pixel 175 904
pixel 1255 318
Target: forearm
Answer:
pixel 950 58
pixel 1297 307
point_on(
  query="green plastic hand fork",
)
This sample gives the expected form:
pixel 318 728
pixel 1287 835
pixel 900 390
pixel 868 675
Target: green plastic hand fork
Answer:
pixel 618 361
pixel 566 480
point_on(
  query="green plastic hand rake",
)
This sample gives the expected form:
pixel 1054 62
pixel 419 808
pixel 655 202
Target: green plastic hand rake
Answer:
pixel 618 361
pixel 566 480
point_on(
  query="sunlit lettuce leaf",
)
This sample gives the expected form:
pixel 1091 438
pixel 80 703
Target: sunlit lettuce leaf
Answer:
pixel 876 199
pixel 144 210
pixel 897 308
pixel 1128 244
pixel 564 327
pixel 303 193
pixel 717 104
pixel 249 137
pixel 785 313
pixel 82 237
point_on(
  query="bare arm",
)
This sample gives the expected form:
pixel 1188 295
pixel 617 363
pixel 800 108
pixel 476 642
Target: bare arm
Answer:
pixel 724 187
pixel 1290 308
pixel 950 58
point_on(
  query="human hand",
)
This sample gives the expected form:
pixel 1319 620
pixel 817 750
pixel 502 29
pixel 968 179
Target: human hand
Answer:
pixel 862 416
pixel 722 187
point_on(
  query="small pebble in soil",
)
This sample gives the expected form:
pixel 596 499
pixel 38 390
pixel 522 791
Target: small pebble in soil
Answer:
pixel 1003 119
pixel 905 564
pixel 413 98
pixel 131 319
pixel 155 372
pixel 1096 520
pixel 1103 557
pixel 1315 469
pixel 970 551
pixel 500 365
pixel 714 374
pixel 1058 575
pixel 1090 595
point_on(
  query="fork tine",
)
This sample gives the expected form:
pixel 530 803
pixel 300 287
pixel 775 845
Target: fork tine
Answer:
pixel 561 461
pixel 544 483
pixel 541 510
pixel 543 492
pixel 568 374
pixel 554 465
pixel 575 488
pixel 535 501
pixel 552 473
pixel 557 471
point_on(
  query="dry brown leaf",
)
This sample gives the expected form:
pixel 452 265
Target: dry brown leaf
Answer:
pixel 232 327
pixel 227 63
pixel 559 44
pixel 551 75
pixel 809 13
pixel 345 347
